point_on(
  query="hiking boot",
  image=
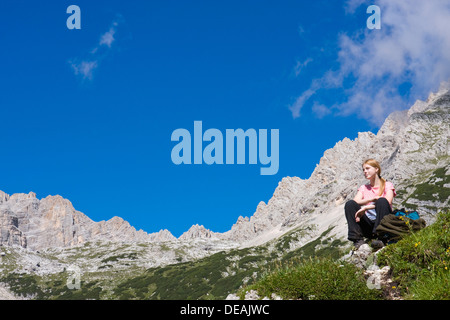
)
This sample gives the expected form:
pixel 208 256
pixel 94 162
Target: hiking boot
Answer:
pixel 358 243
pixel 377 244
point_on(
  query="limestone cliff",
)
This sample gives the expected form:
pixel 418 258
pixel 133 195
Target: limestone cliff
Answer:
pixel 53 222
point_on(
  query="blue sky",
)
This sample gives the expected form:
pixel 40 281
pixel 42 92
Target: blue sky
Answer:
pixel 88 114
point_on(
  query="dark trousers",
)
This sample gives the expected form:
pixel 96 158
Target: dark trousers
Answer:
pixel 365 227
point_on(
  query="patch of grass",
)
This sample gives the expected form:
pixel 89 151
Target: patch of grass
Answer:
pixel 314 278
pixel 320 247
pixel 421 261
pixel 23 285
pixel 433 188
pixel 127 256
pixel 284 242
pixel 211 277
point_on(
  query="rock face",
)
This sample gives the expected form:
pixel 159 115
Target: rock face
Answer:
pixel 53 222
pixel 412 147
pixel 197 231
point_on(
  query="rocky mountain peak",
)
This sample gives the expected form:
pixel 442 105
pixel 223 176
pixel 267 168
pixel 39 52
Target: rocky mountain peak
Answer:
pixel 53 222
pixel 197 231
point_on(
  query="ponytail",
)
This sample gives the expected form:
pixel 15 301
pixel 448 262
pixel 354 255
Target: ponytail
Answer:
pixel 382 184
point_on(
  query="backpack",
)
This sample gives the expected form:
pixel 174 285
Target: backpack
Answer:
pixel 398 224
pixel 409 214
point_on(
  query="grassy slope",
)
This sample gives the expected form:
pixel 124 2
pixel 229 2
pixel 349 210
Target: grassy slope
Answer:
pixel 421 261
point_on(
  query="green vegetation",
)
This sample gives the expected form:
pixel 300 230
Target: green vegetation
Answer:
pixel 433 188
pixel 130 256
pixel 208 278
pixel 23 285
pixel 421 261
pixel 216 276
pixel 53 287
pixel 314 278
pixel 320 247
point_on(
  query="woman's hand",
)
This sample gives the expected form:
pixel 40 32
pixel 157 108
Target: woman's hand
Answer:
pixel 376 198
pixel 360 213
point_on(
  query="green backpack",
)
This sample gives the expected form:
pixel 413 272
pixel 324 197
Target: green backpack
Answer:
pixel 398 224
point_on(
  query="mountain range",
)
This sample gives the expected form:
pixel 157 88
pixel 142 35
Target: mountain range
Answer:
pixel 412 147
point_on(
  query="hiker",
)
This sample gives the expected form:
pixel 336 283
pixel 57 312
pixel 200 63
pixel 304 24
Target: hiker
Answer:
pixel 372 202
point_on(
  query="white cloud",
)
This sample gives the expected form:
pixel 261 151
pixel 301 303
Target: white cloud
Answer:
pixel 412 47
pixel 298 105
pixel 320 110
pixel 300 65
pixel 108 37
pixel 85 67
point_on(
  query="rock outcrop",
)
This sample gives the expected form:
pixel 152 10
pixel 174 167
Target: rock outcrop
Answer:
pixel 197 231
pixel 53 222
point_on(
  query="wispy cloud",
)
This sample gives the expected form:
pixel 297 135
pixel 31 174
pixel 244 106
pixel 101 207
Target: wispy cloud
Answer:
pixel 86 66
pixel 411 50
pixel 300 65
pixel 108 37
pixel 300 102
pixel 320 110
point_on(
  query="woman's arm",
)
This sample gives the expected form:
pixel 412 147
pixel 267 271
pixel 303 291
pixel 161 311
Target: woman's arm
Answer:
pixel 359 199
pixel 362 211
pixel 389 196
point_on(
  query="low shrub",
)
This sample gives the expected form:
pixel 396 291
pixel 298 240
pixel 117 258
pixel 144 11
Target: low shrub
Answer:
pixel 421 261
pixel 322 279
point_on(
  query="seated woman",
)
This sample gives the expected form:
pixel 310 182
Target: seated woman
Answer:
pixel 372 202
